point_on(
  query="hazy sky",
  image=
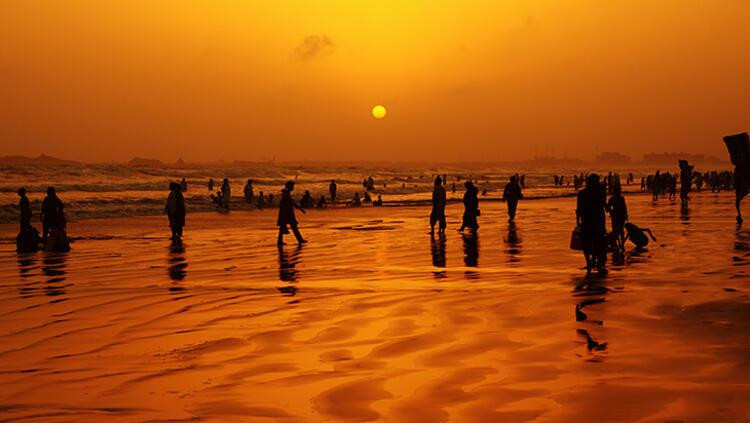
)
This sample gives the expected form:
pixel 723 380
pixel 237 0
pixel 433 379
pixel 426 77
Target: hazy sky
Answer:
pixel 496 80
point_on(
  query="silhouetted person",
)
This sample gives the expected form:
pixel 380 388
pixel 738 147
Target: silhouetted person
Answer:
pixel 211 184
pixel 24 206
pixel 53 214
pixel 741 187
pixel 175 210
pixel 686 180
pixel 248 191
pixel 356 201
pixel 618 215
pixel 28 238
pixel 286 214
pixel 261 200
pixel 269 199
pixel 322 202
pixel 471 208
pixel 378 202
pixel 591 218
pixel 332 190
pixel 437 215
pixel 183 185
pixel 637 235
pixel 226 194
pixel 307 201
pixel 656 186
pixel 367 198
pixel 511 194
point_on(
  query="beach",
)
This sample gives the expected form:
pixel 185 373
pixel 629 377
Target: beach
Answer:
pixel 374 321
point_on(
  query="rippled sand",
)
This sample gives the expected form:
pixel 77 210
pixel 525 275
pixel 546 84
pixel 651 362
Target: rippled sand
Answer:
pixel 373 321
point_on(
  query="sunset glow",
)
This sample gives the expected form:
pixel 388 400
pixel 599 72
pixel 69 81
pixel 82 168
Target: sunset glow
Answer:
pixel 106 80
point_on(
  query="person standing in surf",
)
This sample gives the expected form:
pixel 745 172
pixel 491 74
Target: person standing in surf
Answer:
pixel 248 191
pixel 686 180
pixel 511 195
pixel 471 208
pixel 591 219
pixel 226 194
pixel 332 190
pixel 53 213
pixel 618 215
pixel 175 211
pixel 24 207
pixel 438 207
pixel 286 215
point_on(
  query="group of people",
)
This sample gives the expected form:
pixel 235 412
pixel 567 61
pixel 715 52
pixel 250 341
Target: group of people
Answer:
pixel 511 194
pixel 52 216
pixel 592 206
pixel 591 236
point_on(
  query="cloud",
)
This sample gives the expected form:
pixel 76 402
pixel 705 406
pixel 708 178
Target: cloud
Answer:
pixel 313 46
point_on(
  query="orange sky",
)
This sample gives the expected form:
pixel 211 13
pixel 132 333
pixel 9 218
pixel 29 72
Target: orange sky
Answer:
pixel 495 80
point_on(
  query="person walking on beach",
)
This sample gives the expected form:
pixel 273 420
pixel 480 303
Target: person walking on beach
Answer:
pixel 286 215
pixel 332 190
pixel 175 211
pixel 183 185
pixel 438 207
pixel 53 213
pixel 591 219
pixel 471 208
pixel 511 195
pixel 248 191
pixel 25 208
pixel 686 180
pixel 618 215
pixel 226 194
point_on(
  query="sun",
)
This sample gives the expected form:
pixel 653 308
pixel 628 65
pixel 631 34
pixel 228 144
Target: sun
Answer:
pixel 378 112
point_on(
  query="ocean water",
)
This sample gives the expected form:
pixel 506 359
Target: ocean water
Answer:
pixel 104 190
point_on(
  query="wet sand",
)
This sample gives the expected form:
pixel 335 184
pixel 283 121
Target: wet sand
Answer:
pixel 374 321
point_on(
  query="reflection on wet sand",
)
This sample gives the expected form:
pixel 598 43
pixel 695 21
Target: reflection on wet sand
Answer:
pixel 373 335
pixel 288 262
pixel 27 267
pixel 685 214
pixel 471 254
pixel 513 244
pixel 437 246
pixel 177 263
pixel 53 267
pixel 589 291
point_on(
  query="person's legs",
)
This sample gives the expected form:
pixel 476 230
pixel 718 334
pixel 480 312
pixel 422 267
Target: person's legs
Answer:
pixel 737 206
pixel 297 234
pixel 443 223
pixel 280 240
pixel 512 205
pixel 587 257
